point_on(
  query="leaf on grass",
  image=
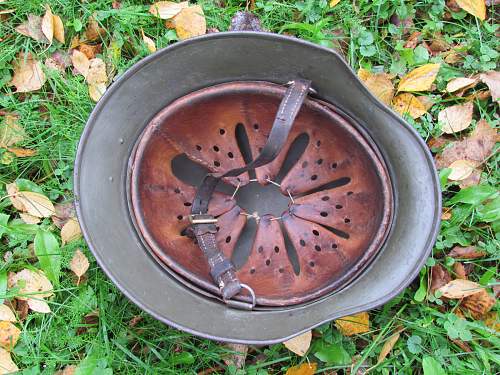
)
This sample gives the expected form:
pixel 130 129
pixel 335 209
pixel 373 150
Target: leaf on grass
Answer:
pixel 299 344
pixel 11 132
pixel 12 191
pixel 79 263
pixel 30 283
pixel 238 355
pixel 96 91
pixel 456 118
pixel 388 345
pixel 333 3
pixel 167 9
pixel 36 204
pixel 408 103
pixel 354 324
pixel 97 72
pixel 93 30
pixel 150 44
pixel 28 74
pixel 461 169
pixel 190 22
pixel 457 289
pixel 478 304
pixel 475 7
pixel 439 277
pixel 303 369
pixel 48 24
pixel 459 271
pixel 80 62
pixel 70 231
pixel 9 334
pixel 32 28
pixel 48 253
pixel 38 305
pixel 461 83
pixel 22 152
pixel 6 314
pixel 90 50
pixel 7 366
pixel 419 79
pixel 492 80
pixel 58 28
pixel 491 320
pixel 470 252
pixel 63 213
pixel 29 219
pixel 378 84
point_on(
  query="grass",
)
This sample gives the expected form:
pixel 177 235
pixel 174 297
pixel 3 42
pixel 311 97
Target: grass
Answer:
pixel 124 340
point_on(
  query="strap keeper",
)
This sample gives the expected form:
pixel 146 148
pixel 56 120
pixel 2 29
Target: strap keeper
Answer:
pixel 202 219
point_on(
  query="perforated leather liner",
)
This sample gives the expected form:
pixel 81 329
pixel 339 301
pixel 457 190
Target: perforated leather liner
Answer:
pixel 338 191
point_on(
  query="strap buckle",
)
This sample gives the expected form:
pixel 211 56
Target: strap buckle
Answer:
pixel 243 305
pixel 311 90
pixel 202 219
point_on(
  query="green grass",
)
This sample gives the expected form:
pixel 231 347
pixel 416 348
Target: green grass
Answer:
pixel 55 115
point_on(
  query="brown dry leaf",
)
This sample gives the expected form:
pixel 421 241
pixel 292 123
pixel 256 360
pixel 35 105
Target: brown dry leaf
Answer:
pixel 68 370
pixel 491 320
pixel 190 22
pixel 446 213
pixel 93 30
pixel 90 50
pixel 238 357
pixel 97 72
pixel 9 334
pixel 379 85
pixel 38 305
pixel 79 263
pixel 461 169
pixel 12 191
pixel 457 289
pixel 388 345
pixel 58 28
pixel 48 24
pixel 353 324
pixel 478 304
pixel 475 7
pixel 470 252
pixel 22 152
pixel 70 231
pixel 96 91
pixel 456 118
pixel 28 74
pixel 419 79
pixel 303 369
pixel 7 366
pixel 167 9
pixel 59 60
pixel 459 270
pixel 64 212
pixel 333 3
pixel 412 40
pixel 426 101
pixel 461 83
pixel 453 57
pixel 492 80
pixel 6 314
pixel 462 345
pixel 32 28
pixel 36 204
pixel 11 132
pixel 150 44
pixel 80 62
pixel 439 277
pixel 35 283
pixel 408 103
pixel 299 344
pixel 29 219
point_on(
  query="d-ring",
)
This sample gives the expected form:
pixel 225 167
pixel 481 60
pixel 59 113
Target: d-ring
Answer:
pixel 243 305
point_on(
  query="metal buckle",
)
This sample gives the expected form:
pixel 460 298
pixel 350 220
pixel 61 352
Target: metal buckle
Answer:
pixel 201 219
pixel 243 305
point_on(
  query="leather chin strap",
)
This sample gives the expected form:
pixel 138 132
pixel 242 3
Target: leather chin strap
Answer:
pixel 203 225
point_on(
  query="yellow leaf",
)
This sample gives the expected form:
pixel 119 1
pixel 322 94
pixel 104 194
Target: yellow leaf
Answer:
pixel 353 324
pixel 7 366
pixel 21 152
pixel 408 103
pixel 459 288
pixel 303 369
pixel 38 305
pixel 11 132
pixel 167 9
pixel 29 219
pixel 9 334
pixel 460 83
pixel 80 62
pixel 36 204
pixel 380 86
pixel 79 264
pixel 28 74
pixel 6 314
pixel 96 91
pixel 456 118
pixel 299 344
pixel 58 28
pixel 148 42
pixel 48 24
pixel 333 3
pixel 461 169
pixel 363 74
pixel 475 7
pixel 31 284
pixel 492 80
pixel 419 79
pixel 97 72
pixel 190 22
pixel 388 345
pixel 70 231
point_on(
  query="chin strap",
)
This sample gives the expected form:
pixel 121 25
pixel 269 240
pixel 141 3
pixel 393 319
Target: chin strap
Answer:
pixel 204 225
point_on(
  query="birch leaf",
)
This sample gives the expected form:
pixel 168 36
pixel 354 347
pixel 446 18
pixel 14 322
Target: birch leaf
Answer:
pixel 6 314
pixel 48 24
pixel 150 44
pixel 353 324
pixel 79 263
pixel 457 289
pixel 32 283
pixel 58 28
pixel 9 334
pixel 70 231
pixel 7 366
pixel 28 74
pixel 299 344
pixel 461 169
pixel 167 9
pixel 190 22
pixel 39 305
pixel 29 219
pixel 460 83
pixel 492 80
pixel 36 204
pixel 408 103
pixel 32 28
pixel 456 118
pixel 80 62
pixel 11 132
pixel 12 191
pixel 419 79
pixel 475 7
pixel 379 85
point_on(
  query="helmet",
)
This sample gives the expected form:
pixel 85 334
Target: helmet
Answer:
pixel 252 181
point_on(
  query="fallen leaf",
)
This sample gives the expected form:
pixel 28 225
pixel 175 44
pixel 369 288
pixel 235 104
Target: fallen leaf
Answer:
pixel 456 118
pixel 470 252
pixel 475 7
pixel 93 30
pixel 35 283
pixel 48 24
pixel 38 305
pixel 426 101
pixel 237 357
pixel 459 270
pixel 59 60
pixel 439 277
pixel 353 324
pixel 70 231
pixel 333 3
pixel 12 191
pixel 478 304
pixel 7 366
pixel 412 40
pixel 11 132
pixel 79 264
pixel 299 344
pixel 9 334
pixel 461 169
pixel 492 80
pixel 97 72
pixel 457 289
pixel 446 213
pixel 58 28
pixel 388 345
pixel 303 369
pixel 491 320
pixel 21 152
pixel 150 44
pixel 29 219
pixel 28 74
pixel 32 28
pixel 90 50
pixel 408 103
pixel 68 370
pixel 167 9
pixel 96 91
pixel 190 22
pixel 462 345
pixel 135 320
pixel 379 85
pixel 461 83
pixel 63 213
pixel 36 204
pixel 453 57
pixel 80 62
pixel 419 79
pixel 22 309
pixel 6 314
